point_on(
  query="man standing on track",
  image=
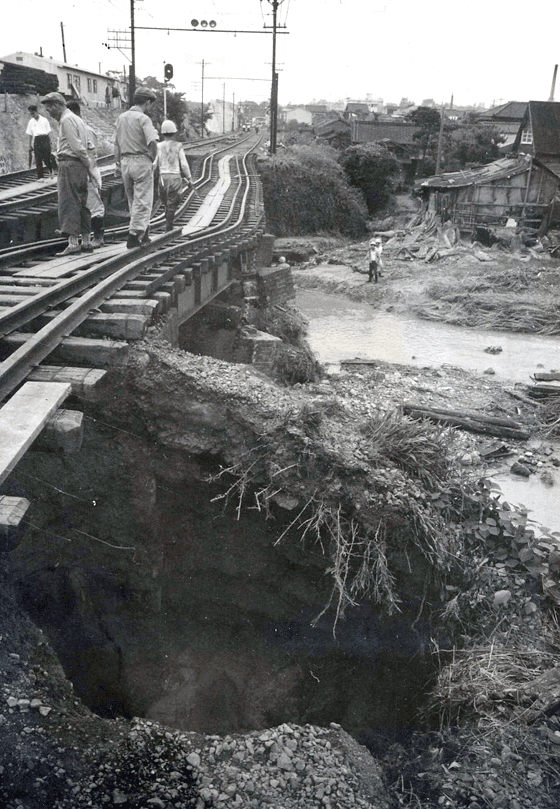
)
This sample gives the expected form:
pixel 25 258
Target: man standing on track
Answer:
pixel 39 131
pixel 172 168
pixel 94 201
pixel 135 151
pixel 73 169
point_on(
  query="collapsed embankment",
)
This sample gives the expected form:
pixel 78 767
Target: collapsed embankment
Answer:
pixel 180 567
pixel 181 563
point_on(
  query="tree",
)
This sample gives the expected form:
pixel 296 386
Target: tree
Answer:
pixel 473 144
pixel 371 168
pixel 427 122
pixel 184 114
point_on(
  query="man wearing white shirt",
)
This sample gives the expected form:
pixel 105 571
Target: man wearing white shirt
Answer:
pixel 39 131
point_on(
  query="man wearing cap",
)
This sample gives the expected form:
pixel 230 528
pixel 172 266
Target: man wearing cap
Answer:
pixel 73 169
pixel 94 201
pixel 39 131
pixel 135 151
pixel 172 168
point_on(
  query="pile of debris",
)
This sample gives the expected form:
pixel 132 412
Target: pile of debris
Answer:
pixel 428 239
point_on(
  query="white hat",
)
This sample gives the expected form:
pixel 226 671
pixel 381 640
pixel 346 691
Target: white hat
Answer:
pixel 168 128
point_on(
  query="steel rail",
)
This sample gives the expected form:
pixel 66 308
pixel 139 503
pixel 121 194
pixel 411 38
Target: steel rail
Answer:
pixel 109 276
pixel 26 250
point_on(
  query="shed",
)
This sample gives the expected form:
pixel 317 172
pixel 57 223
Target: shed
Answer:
pixel 517 187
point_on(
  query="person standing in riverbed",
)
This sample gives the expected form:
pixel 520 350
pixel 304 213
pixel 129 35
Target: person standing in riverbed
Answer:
pixel 374 258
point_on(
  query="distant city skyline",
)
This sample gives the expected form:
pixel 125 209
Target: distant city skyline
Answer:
pixel 335 49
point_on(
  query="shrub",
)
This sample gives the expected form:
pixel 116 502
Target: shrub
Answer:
pixel 372 169
pixel 306 192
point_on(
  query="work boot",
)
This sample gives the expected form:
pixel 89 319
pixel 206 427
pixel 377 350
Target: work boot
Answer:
pixel 73 247
pixel 87 246
pixel 133 241
pixel 145 239
pixel 98 231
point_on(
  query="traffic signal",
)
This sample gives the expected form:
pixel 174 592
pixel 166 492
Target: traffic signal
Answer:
pixel 168 72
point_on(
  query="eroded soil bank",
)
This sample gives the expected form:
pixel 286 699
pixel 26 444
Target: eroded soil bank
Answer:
pixel 180 567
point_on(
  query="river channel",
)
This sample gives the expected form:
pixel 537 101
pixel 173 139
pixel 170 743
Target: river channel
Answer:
pixel 342 329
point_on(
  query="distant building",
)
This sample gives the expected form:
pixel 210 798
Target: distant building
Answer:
pixel 299 114
pixel 506 118
pixel 357 109
pixel 333 129
pixel 383 129
pixel 93 89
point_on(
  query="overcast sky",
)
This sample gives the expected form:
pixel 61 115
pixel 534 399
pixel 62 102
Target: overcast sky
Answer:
pixel 479 51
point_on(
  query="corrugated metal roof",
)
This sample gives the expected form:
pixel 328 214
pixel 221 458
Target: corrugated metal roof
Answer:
pixel 545 123
pixel 505 167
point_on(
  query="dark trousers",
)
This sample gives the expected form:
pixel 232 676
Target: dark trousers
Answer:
pixel 73 214
pixel 170 191
pixel 43 154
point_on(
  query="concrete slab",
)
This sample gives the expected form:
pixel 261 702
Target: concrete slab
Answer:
pixel 23 417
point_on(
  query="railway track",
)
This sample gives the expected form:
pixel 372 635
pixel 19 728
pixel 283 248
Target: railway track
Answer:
pixel 64 319
pixel 28 206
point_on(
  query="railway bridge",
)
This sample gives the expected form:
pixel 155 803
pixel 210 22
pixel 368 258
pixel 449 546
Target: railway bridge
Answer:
pixel 65 320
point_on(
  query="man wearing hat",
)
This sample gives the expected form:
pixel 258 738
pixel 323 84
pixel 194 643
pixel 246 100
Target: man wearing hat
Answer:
pixel 73 169
pixel 39 131
pixel 135 151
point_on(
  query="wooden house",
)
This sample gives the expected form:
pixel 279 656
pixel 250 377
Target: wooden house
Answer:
pixel 523 187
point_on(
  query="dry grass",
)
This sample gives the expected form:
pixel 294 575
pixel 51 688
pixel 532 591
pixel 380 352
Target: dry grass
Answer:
pixel 550 415
pixel 484 679
pixel 416 446
pixel 499 313
pixel 491 301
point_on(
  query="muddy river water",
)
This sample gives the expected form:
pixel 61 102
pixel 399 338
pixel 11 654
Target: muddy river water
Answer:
pixel 342 329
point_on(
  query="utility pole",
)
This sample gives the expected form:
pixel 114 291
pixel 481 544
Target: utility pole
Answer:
pixel 274 86
pixel 553 86
pixel 63 43
pixel 440 139
pixel 224 108
pixel 202 102
pixel 233 114
pixel 132 85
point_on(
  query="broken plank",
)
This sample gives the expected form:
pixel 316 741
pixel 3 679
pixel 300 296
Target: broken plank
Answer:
pixel 468 414
pixel 541 391
pixel 468 424
pixel 542 376
pixel 23 417
pixel 522 398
